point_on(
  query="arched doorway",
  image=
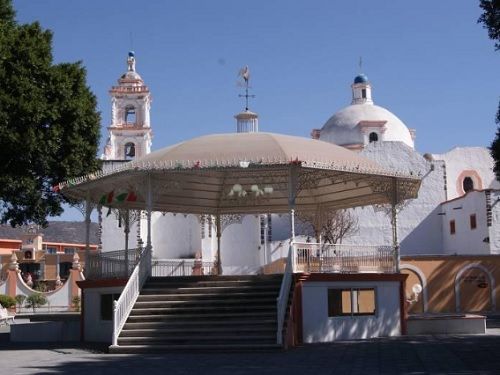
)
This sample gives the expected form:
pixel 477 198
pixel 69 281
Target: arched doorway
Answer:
pixel 415 277
pixel 474 286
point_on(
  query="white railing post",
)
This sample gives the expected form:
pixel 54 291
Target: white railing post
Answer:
pixel 282 300
pixel 115 330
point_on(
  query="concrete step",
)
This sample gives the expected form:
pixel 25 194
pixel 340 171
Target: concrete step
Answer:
pixel 197 331
pixel 203 303
pixel 248 295
pixel 209 317
pixel 200 324
pixel 206 347
pixel 200 309
pixel 149 289
pixel 196 339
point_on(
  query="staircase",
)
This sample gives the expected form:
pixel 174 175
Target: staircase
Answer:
pixel 204 313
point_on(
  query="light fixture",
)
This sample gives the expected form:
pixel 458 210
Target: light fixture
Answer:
pixel 244 164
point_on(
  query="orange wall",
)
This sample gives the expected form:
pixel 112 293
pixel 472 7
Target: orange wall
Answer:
pixel 441 272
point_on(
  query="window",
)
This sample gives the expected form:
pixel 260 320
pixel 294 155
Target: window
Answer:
pixel 129 151
pixel 468 184
pixel 452 227
pixel 51 250
pixel 351 302
pixel 473 222
pixel 69 250
pixel 363 93
pixel 373 137
pixel 202 226
pixel 130 115
pixel 107 305
pixel 210 224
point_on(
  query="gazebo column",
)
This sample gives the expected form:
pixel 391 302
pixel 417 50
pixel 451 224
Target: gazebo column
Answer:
pixel 292 194
pixel 218 228
pixel 149 209
pixel 88 211
pixel 394 223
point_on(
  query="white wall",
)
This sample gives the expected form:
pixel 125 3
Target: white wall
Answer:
pixel 318 327
pixel 240 246
pixel 494 230
pixel 462 159
pixel 96 329
pixel 419 225
pixel 175 236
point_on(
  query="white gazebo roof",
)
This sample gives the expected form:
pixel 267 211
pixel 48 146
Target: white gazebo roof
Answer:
pixel 246 173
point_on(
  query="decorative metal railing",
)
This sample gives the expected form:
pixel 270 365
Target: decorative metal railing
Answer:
pixel 112 264
pixel 282 300
pixel 122 307
pixel 182 267
pixel 326 258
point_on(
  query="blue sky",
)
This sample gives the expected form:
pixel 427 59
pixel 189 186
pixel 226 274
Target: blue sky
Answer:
pixel 429 61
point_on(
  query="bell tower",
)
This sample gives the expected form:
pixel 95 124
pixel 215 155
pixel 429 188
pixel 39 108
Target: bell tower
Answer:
pixel 130 130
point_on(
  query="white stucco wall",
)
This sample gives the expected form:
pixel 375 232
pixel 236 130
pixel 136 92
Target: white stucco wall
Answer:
pixel 463 159
pixel 419 225
pixel 96 329
pixel 494 229
pixel 113 237
pixel 318 327
pixel 240 246
pixel 175 236
pixel 465 240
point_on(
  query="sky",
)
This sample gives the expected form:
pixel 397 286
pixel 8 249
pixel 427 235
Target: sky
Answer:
pixel 429 62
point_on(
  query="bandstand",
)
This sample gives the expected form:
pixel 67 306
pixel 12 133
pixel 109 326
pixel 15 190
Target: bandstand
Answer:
pixel 247 173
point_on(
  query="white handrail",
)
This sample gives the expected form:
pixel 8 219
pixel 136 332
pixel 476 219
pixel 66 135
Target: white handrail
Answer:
pixel 122 307
pixel 282 300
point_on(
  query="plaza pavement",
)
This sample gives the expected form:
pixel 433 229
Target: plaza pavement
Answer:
pixel 460 355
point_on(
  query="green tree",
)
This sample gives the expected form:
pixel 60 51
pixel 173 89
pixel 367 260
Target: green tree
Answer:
pixel 491 21
pixel 49 126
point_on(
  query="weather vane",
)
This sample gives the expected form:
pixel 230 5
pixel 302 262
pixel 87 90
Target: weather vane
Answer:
pixel 245 74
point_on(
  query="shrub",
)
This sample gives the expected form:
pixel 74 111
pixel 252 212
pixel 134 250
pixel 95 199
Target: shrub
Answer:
pixel 36 300
pixel 7 301
pixel 20 298
pixel 76 302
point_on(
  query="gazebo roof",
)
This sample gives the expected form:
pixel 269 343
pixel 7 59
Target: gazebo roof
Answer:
pixel 245 173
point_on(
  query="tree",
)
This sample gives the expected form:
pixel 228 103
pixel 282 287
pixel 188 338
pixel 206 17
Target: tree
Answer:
pixel 495 146
pixel 491 21
pixel 49 126
pixel 332 225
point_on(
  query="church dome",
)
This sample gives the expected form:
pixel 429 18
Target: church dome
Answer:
pixel 361 78
pixel 363 122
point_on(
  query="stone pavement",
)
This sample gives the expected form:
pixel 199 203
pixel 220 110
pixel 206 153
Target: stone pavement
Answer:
pixel 460 355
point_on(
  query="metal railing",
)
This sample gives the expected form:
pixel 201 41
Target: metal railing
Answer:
pixel 327 258
pixel 122 307
pixel 282 300
pixel 182 267
pixel 111 264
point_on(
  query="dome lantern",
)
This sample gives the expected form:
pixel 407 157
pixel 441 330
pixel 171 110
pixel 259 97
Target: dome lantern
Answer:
pixel 361 90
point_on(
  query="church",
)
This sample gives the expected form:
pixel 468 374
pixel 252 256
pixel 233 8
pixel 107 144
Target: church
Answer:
pixel 443 241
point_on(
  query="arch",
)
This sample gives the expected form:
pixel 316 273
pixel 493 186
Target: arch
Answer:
pixel 471 176
pixel 490 278
pixel 467 184
pixel 130 115
pixel 129 150
pixel 423 281
pixel 373 137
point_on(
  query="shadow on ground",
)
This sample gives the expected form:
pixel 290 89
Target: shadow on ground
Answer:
pixel 403 355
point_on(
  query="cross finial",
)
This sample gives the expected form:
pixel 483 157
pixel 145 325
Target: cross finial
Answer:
pixel 360 64
pixel 245 74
